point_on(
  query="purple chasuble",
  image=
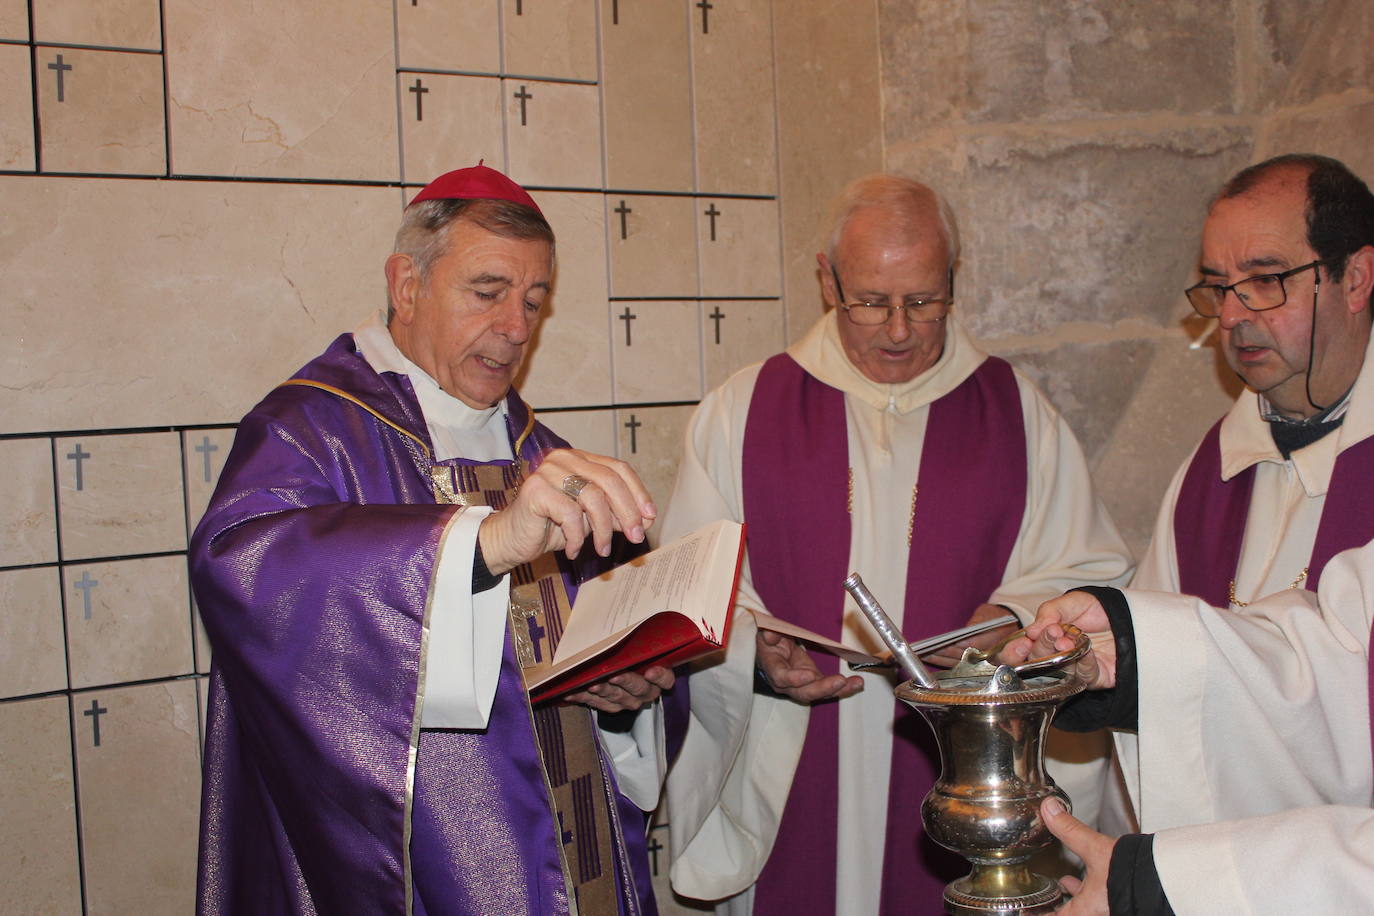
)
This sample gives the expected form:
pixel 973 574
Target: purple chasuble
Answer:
pixel 972 498
pixel 311 570
pixel 1209 518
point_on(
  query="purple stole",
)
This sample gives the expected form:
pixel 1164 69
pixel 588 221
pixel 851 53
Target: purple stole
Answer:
pixel 1209 519
pixel 972 496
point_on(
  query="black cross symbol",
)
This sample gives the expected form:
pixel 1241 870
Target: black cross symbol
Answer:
pixel 654 847
pixel 623 211
pixel 60 68
pixel 205 448
pixel 519 7
pixel 95 712
pixel 78 456
pixel 633 426
pixel 419 89
pixel 524 97
pixel 705 6
pixel 627 316
pixel 86 583
pixel 712 213
pixel 615 12
pixel 716 316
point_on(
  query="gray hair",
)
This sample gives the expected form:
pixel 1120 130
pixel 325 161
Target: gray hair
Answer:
pixel 904 197
pixel 425 226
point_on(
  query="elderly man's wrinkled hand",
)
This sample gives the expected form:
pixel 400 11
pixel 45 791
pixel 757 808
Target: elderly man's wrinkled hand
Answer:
pixel 790 670
pixel 572 496
pixel 950 655
pixel 625 691
pixel 1047 636
pixel 1095 849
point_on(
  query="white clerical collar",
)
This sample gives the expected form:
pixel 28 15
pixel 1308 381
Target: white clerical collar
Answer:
pixel 821 354
pixel 455 429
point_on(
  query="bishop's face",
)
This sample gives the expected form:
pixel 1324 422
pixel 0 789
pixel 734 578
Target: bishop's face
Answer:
pixel 879 260
pixel 469 322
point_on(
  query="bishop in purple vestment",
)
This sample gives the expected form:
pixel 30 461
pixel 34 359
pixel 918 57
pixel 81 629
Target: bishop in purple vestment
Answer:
pixel 394 539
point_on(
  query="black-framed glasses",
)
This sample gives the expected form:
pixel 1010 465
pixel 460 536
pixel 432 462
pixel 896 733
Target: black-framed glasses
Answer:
pixel 918 311
pixel 1258 293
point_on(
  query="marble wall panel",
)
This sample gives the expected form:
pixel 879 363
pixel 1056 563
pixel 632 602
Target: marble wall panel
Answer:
pixel 830 130
pixel 570 363
pixel 32 655
pixel 120 495
pixel 16 109
pixel 555 38
pixel 240 283
pixel 111 24
pixel 449 122
pixel 553 133
pixel 662 361
pixel 128 621
pixel 652 243
pixel 14 21
pixel 28 514
pixel 589 430
pixel 645 72
pixel 449 35
pixel 738 244
pixel 291 90
pixel 1063 228
pixel 745 333
pixel 38 852
pixel 732 96
pixel 140 790
pixel 651 440
pixel 203 452
pixel 101 111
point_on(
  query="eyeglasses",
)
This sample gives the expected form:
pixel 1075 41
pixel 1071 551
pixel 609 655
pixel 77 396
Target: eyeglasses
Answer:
pixel 1258 294
pixel 918 311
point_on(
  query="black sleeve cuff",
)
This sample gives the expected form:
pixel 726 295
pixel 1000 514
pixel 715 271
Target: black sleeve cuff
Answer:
pixel 1119 706
pixel 482 578
pixel 1133 887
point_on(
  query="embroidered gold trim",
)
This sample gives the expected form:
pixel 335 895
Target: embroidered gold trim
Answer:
pixel 911 519
pixel 1231 589
pixel 339 392
pixel 525 433
pixel 849 498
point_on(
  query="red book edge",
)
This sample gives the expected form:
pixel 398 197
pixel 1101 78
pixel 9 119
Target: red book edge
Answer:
pixel 668 638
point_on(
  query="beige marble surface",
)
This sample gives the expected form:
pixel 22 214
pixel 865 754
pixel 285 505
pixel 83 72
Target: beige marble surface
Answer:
pixel 14 20
pixel 38 855
pixel 109 23
pixel 28 512
pixel 236 286
pixel 126 498
pixel 645 72
pixel 570 363
pixel 657 447
pixel 448 34
pixel 16 109
pixel 140 792
pixel 550 38
pixel 663 360
pixel 32 653
pixel 739 253
pixel 657 255
pixel 558 140
pixel 733 101
pixel 203 453
pixel 108 117
pixel 456 123
pixel 750 332
pixel 258 89
pixel 589 430
pixel 139 625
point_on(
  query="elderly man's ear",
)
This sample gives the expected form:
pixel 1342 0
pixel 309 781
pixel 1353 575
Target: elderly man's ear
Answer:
pixel 402 285
pixel 1358 281
pixel 828 290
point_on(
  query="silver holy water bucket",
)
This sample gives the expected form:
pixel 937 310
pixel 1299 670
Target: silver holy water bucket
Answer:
pixel 990 724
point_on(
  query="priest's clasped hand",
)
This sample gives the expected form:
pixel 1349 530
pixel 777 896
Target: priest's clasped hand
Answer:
pixel 550 512
pixel 625 691
pixel 790 670
pixel 1046 636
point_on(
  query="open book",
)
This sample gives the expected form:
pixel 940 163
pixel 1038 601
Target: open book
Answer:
pixel 666 607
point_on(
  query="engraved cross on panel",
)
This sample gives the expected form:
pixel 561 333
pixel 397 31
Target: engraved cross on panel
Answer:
pixel 206 446
pixel 633 426
pixel 78 456
pixel 705 6
pixel 711 213
pixel 95 712
pixel 524 96
pixel 419 89
pixel 61 68
pixel 627 316
pixel 86 583
pixel 654 847
pixel 624 211
pixel 715 316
